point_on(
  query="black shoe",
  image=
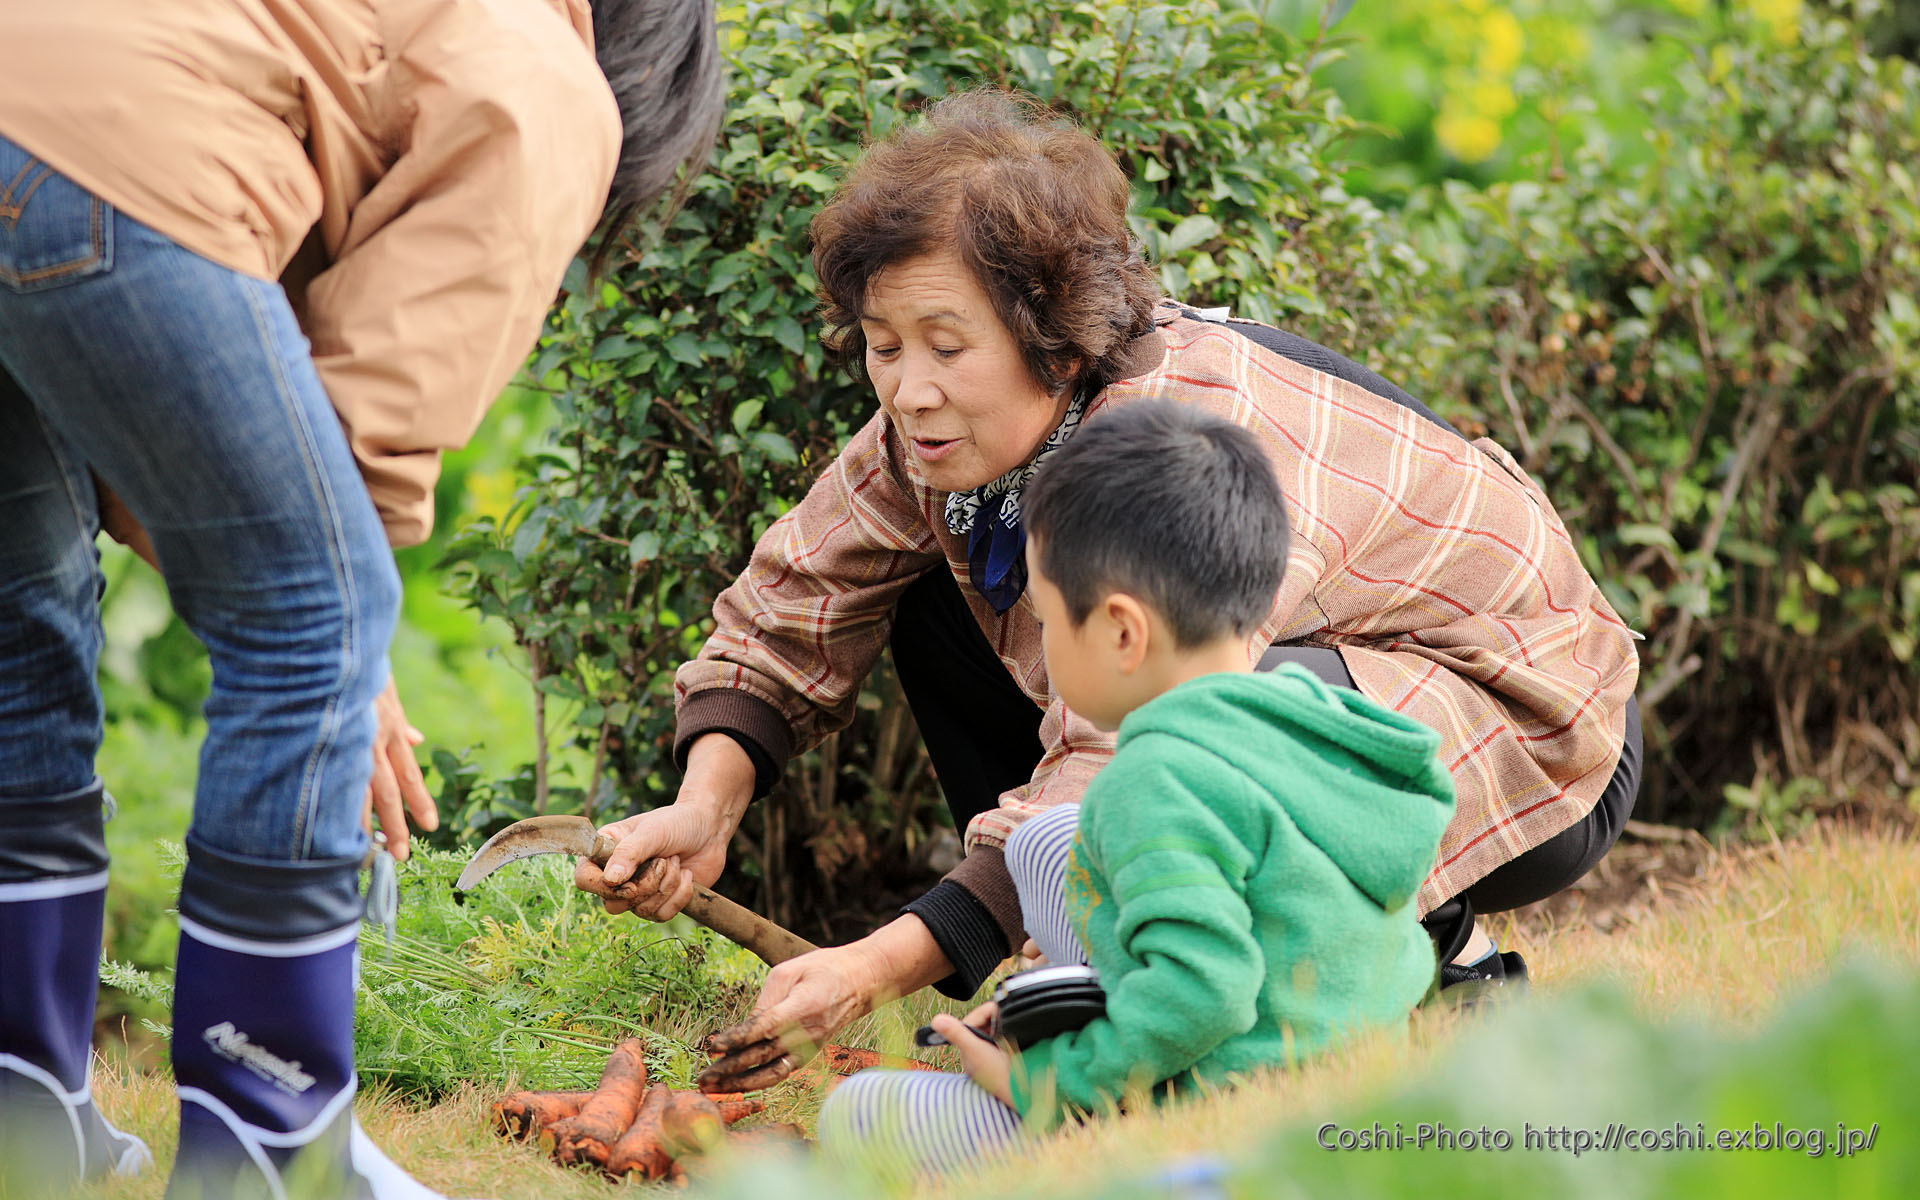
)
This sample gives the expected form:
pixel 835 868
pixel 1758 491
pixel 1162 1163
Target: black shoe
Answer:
pixel 1467 986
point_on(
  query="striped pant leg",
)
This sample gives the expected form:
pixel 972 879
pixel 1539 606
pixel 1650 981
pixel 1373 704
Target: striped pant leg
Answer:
pixel 915 1123
pixel 1037 860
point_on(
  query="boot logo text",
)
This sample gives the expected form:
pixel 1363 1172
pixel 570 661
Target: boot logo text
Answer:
pixel 231 1044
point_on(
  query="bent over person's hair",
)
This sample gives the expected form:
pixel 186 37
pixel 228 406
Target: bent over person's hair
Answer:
pixel 662 60
pixel 1035 209
pixel 1172 505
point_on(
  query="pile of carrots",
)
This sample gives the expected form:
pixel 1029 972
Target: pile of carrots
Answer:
pixel 631 1129
pixel 626 1127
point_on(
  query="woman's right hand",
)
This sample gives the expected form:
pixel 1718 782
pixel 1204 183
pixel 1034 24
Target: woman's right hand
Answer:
pixel 675 847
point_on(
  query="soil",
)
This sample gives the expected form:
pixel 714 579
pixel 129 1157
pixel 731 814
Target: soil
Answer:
pixel 1647 863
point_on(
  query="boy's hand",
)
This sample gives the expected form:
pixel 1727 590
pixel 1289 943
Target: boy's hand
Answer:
pixel 987 1063
pixel 1030 956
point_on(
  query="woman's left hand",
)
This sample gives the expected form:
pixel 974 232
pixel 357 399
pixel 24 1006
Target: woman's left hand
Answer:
pixel 987 1063
pixel 805 1001
pixel 397 787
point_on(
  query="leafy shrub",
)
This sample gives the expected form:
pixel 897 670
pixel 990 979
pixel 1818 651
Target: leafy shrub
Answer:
pixel 695 403
pixel 1712 361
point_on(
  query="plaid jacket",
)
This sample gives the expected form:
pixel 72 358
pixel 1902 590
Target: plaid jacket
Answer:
pixel 1437 567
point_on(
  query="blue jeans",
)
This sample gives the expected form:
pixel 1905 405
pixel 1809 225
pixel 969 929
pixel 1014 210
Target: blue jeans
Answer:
pixel 188 389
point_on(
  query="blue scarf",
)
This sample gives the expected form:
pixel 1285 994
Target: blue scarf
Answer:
pixel 990 517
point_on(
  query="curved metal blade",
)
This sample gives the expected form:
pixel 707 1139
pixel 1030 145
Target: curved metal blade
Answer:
pixel 524 839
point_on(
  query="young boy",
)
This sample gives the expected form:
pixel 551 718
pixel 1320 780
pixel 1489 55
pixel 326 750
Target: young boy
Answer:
pixel 1242 873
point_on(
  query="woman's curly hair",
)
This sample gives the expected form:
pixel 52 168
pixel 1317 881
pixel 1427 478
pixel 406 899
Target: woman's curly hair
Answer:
pixel 1033 206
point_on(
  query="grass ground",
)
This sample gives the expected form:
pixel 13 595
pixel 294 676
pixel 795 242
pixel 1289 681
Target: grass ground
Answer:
pixel 1721 949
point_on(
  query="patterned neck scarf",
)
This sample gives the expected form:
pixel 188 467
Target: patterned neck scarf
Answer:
pixel 990 517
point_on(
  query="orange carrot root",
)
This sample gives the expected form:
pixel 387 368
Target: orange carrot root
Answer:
pixel 522 1115
pixel 590 1135
pixel 845 1060
pixel 783 1134
pixel 642 1149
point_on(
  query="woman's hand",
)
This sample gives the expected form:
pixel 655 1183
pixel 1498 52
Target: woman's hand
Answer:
pixel 680 845
pixel 987 1063
pixel 807 1000
pixel 397 788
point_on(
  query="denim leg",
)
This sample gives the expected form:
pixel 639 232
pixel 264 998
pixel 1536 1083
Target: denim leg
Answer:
pixel 1037 859
pixel 49 608
pixel 189 388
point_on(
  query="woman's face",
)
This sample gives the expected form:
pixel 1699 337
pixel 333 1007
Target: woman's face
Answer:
pixel 951 376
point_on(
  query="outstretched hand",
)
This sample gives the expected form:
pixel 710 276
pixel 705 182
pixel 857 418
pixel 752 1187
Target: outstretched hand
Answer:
pixel 805 1001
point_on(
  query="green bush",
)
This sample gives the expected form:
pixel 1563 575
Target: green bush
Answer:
pixel 1712 361
pixel 694 402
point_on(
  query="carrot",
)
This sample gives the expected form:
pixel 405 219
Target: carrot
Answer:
pixel 521 1115
pixel 845 1060
pixel 642 1149
pixel 784 1134
pixel 734 1106
pixel 589 1135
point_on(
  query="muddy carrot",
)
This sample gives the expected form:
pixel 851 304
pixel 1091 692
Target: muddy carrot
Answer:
pixel 845 1060
pixel 783 1134
pixel 522 1115
pixel 589 1135
pixel 734 1106
pixel 642 1149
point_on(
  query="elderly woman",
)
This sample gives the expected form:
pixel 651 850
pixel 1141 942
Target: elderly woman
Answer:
pixel 978 269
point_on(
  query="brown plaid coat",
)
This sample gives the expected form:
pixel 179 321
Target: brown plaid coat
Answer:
pixel 1437 568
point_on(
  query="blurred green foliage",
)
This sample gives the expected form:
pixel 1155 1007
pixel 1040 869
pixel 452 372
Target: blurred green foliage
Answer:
pixel 1834 1066
pixel 1484 91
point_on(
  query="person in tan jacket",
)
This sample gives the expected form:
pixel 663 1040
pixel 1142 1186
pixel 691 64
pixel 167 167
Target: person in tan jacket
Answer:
pixel 261 261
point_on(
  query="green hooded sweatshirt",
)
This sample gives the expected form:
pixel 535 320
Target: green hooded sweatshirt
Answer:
pixel 1243 880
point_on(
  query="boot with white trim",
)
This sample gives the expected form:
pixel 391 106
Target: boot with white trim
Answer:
pixel 263 1035
pixel 53 887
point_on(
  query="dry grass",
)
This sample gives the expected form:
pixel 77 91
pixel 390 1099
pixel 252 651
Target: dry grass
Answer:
pixel 1750 927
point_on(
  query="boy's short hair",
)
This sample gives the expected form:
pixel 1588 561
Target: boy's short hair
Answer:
pixel 1167 503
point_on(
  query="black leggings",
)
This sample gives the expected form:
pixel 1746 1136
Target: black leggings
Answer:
pixel 983 735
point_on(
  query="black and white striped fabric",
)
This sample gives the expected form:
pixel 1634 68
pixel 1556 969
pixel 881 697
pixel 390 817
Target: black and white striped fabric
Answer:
pixel 917 1123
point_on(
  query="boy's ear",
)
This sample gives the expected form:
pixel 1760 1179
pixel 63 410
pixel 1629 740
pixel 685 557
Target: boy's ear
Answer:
pixel 1128 627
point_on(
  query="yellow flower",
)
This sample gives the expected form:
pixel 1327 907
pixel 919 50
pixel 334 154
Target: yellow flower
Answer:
pixel 1501 42
pixel 1467 136
pixel 1490 99
pixel 1781 17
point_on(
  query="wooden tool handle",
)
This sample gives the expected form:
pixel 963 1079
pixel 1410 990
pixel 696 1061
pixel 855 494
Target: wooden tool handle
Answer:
pixel 744 927
pixel 741 926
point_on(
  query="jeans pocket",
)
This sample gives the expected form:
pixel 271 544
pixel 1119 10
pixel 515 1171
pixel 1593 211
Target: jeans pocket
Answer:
pixel 52 230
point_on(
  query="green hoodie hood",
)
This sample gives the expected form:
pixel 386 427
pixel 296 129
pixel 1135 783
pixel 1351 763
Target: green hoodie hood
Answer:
pixel 1363 784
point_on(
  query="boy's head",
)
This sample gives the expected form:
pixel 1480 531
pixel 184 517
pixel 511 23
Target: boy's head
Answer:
pixel 1156 540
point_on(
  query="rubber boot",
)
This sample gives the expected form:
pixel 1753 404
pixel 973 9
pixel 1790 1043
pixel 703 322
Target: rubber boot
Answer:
pixel 53 888
pixel 263 1035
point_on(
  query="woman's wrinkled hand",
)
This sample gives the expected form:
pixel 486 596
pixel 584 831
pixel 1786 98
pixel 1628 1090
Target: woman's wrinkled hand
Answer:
pixel 664 853
pixel 805 1001
pixel 674 848
pixel 397 789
